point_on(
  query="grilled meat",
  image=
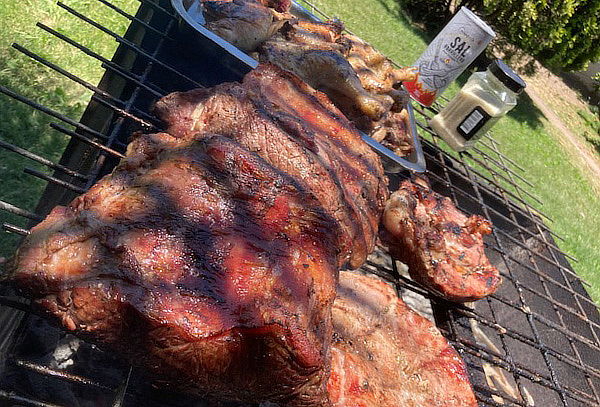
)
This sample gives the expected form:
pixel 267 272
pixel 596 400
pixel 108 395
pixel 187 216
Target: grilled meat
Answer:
pixel 357 78
pixel 322 66
pixel 385 354
pixel 376 72
pixel 198 261
pixel 298 131
pixel 245 23
pixel 442 247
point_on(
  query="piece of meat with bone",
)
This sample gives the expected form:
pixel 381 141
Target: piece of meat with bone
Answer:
pixel 298 131
pixel 199 262
pixel 310 52
pixel 442 247
pixel 245 23
pixel 385 354
pixel 376 72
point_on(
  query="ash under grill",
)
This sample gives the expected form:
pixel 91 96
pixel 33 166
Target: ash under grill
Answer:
pixel 534 342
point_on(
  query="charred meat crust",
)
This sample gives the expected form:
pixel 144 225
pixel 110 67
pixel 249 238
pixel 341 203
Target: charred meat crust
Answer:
pixel 442 247
pixel 200 262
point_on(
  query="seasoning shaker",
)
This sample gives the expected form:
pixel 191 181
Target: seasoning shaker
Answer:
pixel 482 101
pixel 448 55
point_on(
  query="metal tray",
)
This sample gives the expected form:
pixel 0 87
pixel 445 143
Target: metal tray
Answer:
pixel 192 20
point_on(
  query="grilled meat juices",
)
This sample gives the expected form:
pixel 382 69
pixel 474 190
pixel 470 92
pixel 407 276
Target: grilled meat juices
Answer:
pixel 385 354
pixel 442 247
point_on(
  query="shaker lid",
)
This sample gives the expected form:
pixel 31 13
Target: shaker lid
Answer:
pixel 507 76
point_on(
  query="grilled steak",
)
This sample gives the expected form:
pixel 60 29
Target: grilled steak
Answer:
pixel 442 247
pixel 298 131
pixel 199 261
pixel 385 354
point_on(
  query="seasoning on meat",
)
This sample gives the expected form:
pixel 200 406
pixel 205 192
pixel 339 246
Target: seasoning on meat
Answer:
pixel 200 262
pixel 385 354
pixel 297 130
pixel 442 247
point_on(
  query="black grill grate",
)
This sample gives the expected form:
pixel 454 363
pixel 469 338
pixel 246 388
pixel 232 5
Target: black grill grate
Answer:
pixel 535 342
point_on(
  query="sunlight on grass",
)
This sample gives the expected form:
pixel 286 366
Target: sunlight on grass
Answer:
pixel 21 125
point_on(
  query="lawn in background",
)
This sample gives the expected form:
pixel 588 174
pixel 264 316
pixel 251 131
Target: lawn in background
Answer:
pixel 525 136
pixel 21 125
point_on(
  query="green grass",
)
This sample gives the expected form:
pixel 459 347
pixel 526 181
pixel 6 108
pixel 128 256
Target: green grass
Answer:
pixel 21 125
pixel 525 135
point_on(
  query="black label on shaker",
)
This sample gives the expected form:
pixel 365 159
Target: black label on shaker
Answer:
pixel 473 122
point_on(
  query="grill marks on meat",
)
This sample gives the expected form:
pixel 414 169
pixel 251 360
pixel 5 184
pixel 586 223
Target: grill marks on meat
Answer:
pixel 246 23
pixel 298 131
pixel 199 261
pixel 385 354
pixel 311 51
pixel 442 247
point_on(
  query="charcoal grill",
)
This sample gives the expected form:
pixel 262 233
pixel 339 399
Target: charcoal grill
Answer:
pixel 535 342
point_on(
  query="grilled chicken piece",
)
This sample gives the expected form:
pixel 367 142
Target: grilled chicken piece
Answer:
pixel 385 354
pixel 324 69
pixel 376 72
pixel 319 34
pixel 442 247
pixel 394 133
pixel 297 130
pixel 199 262
pixel 245 23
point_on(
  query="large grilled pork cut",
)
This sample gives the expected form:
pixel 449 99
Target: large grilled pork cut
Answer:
pixel 299 131
pixel 198 261
pixel 442 247
pixel 385 354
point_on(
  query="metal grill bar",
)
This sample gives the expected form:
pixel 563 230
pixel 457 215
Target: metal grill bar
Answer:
pixel 88 86
pixel 86 140
pixel 109 65
pixel 508 170
pixel 556 385
pixel 156 7
pixel 5 206
pixel 51 112
pixel 516 241
pixel 24 401
pixel 54 180
pixel 510 203
pixel 128 43
pixel 47 371
pixel 579 361
pixel 472 313
pixel 15 229
pixel 504 177
pixel 135 19
pixel 41 160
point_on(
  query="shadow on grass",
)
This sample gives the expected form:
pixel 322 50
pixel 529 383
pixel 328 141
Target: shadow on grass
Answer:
pixel 424 35
pixel 27 128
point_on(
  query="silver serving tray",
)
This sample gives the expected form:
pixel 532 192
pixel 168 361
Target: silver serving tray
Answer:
pixel 192 20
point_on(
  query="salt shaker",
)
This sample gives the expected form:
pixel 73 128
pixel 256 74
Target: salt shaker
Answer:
pixel 482 101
